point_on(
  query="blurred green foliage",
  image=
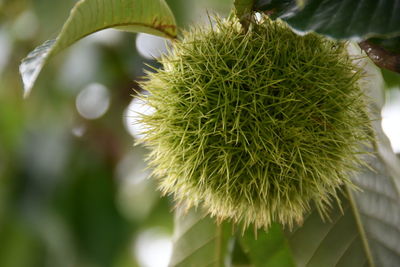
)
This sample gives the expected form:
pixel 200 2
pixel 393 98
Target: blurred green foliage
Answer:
pixel 71 189
pixel 64 200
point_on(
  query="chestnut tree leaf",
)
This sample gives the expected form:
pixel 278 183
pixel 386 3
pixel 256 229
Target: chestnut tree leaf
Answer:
pixel 341 19
pixel 337 242
pixel 198 240
pixel 378 206
pixel 89 16
pixel 379 202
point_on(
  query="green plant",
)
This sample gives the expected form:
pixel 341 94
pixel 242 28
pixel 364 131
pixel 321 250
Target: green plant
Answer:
pixel 255 125
pixel 364 230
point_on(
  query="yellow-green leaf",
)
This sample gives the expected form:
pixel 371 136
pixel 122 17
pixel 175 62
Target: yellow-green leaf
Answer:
pixel 89 16
pixel 198 241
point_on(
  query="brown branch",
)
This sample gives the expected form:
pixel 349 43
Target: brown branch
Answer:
pixel 381 57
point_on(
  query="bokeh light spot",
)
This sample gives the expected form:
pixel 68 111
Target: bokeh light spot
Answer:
pixel 132 114
pixel 153 248
pixel 93 101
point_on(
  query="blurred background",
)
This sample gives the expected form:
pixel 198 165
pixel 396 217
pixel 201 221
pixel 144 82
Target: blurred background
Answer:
pixel 74 191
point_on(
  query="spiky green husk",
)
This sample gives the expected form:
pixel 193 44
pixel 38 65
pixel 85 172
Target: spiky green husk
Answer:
pixel 255 126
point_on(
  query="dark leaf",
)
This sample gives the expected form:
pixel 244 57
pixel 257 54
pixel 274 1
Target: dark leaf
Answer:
pixel 341 19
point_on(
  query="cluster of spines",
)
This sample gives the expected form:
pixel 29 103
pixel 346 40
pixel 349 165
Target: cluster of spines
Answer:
pixel 256 125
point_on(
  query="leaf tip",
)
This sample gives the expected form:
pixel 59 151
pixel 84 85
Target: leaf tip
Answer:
pixel 31 66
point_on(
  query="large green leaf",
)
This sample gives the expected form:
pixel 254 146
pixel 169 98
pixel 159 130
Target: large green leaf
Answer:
pixel 378 204
pixel 338 242
pixel 89 16
pixel 198 241
pixel 342 19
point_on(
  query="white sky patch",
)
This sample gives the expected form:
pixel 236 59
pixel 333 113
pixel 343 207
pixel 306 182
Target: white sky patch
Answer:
pixel 391 118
